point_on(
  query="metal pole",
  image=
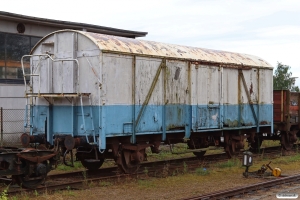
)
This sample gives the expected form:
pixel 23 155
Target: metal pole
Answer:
pixel 1 122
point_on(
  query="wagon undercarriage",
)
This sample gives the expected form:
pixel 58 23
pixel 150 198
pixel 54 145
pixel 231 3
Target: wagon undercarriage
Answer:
pixel 27 167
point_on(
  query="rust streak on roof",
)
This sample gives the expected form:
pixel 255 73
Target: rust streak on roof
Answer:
pixel 143 47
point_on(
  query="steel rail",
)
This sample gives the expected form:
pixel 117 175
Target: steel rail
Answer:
pixel 247 189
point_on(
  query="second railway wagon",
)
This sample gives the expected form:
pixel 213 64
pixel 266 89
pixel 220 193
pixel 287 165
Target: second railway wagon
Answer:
pixel 112 97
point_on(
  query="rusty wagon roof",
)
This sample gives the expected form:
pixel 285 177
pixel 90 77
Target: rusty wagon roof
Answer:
pixel 142 47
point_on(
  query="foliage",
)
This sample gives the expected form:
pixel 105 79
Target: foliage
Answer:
pixel 202 171
pixel 3 195
pixel 283 80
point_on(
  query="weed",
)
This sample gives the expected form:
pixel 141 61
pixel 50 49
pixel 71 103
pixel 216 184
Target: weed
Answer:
pixel 36 193
pixel 146 183
pixel 185 168
pixel 146 171
pixel 105 183
pixel 286 160
pixel 229 164
pixel 202 171
pixel 165 171
pixel 175 172
pixel 262 153
pixel 91 184
pixel 85 182
pixel 4 195
pixel 77 166
pixel 69 191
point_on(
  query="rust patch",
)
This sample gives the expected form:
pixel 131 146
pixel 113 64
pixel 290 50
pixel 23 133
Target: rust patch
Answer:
pixel 177 73
pixel 251 88
pixel 36 159
pixel 151 48
pixel 263 123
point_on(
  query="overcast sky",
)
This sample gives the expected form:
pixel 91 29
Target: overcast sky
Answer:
pixel 269 29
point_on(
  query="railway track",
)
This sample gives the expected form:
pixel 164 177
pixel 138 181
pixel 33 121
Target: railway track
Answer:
pixel 77 180
pixel 248 189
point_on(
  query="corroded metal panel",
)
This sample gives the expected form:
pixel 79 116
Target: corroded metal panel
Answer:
pixel 286 103
pixel 279 105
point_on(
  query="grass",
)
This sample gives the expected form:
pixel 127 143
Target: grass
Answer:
pixel 145 184
pixel 201 171
pixel 62 167
pixel 105 184
pixel 229 164
pixel 287 160
pixel 270 143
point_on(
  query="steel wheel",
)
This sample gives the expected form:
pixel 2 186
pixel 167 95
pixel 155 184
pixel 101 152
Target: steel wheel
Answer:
pixel 230 150
pixel 199 154
pixel 92 164
pixel 126 164
pixel 31 182
pixel 255 146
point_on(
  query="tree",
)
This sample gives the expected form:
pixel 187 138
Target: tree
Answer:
pixel 282 78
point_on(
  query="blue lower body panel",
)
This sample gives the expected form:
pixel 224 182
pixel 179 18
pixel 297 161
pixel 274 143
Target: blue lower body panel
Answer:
pixel 121 120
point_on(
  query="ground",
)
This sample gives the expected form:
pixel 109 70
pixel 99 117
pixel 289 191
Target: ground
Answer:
pixel 177 186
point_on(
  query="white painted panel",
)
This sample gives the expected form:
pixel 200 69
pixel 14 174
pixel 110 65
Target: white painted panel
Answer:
pixel 69 77
pixel 177 82
pixel 117 79
pixel 230 86
pixel 64 72
pixel 213 85
pixel 208 85
pixel 64 42
pixel 254 85
pixel 251 79
pixel 90 76
pixel 57 72
pixel 45 76
pixel 265 86
pixel 145 71
pixel 201 84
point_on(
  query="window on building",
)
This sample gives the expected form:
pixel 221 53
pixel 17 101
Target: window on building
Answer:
pixel 12 48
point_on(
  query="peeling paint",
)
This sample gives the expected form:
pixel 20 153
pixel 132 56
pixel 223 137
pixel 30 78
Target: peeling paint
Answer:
pixel 214 117
pixel 151 48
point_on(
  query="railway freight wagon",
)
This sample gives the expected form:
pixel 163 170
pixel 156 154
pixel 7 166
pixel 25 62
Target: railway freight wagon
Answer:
pixel 112 97
pixel 286 117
